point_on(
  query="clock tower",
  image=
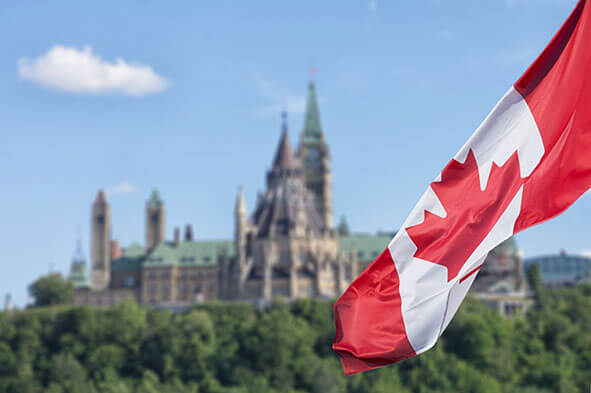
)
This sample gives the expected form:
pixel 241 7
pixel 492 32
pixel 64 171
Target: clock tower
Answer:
pixel 314 156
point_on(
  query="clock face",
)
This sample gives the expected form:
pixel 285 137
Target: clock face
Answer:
pixel 313 157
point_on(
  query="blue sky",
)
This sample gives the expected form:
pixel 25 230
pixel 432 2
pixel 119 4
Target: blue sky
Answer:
pixel 401 84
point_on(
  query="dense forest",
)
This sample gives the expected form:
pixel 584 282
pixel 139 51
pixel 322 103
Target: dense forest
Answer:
pixel 286 347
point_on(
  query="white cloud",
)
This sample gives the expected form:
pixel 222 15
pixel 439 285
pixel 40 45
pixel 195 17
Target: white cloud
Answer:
pixel 278 99
pixel 373 6
pixel 586 253
pixel 122 188
pixel 82 71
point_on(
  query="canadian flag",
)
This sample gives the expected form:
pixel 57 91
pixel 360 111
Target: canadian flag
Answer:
pixel 527 162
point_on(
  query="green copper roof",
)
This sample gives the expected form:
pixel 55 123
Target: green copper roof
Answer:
pixel 560 269
pixel 155 199
pixel 163 254
pixel 131 259
pixel 368 247
pixel 79 275
pixel 199 253
pixel 312 132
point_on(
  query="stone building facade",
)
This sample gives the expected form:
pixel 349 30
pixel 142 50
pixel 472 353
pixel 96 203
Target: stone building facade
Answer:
pixel 501 281
pixel 286 247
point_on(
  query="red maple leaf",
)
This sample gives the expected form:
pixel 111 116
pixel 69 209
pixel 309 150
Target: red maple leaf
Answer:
pixel 471 212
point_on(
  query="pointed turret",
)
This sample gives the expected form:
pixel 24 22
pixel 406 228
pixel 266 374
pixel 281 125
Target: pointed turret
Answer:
pixel 100 242
pixel 240 208
pixel 155 199
pixel 312 132
pixel 78 256
pixel 240 228
pixel 314 157
pixel 78 269
pixel 8 302
pixel 284 157
pixel 100 198
pixel 155 216
pixel 285 162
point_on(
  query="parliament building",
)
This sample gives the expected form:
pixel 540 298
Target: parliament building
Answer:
pixel 288 246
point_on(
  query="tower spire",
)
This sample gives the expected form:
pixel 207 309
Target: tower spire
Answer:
pixel 100 242
pixel 312 128
pixel 155 216
pixel 284 119
pixel 314 156
pixel 284 157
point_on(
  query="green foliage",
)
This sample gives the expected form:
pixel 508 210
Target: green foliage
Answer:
pixel 51 289
pixel 343 227
pixel 286 347
pixel 534 280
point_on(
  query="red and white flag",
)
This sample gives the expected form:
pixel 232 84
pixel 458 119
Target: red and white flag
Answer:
pixel 527 162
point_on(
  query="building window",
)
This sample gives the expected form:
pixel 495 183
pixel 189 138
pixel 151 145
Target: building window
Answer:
pixel 151 274
pixel 129 281
pixel 166 275
pixel 152 287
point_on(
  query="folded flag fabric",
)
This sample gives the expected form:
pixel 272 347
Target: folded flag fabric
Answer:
pixel 527 162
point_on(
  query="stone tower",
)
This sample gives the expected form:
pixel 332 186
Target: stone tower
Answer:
pixel 284 248
pixel 240 228
pixel 314 156
pixel 242 239
pixel 154 221
pixel 101 247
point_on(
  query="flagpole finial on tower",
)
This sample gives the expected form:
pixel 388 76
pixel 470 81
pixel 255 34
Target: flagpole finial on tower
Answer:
pixel 284 119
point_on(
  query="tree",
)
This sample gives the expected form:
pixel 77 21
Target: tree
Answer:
pixel 343 227
pixel 534 280
pixel 51 289
pixel 285 347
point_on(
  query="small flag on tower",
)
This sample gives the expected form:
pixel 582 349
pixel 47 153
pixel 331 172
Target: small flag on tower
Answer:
pixel 526 163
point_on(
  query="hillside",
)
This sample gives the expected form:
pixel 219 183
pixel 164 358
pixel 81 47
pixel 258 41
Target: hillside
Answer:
pixel 286 348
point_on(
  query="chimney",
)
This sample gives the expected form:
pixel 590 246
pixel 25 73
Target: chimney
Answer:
pixel 8 302
pixel 115 250
pixel 177 236
pixel 188 233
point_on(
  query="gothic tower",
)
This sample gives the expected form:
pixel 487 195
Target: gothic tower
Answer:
pixel 101 229
pixel 154 221
pixel 242 240
pixel 314 156
pixel 240 228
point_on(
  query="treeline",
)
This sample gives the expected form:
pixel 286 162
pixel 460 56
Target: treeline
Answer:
pixel 236 348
